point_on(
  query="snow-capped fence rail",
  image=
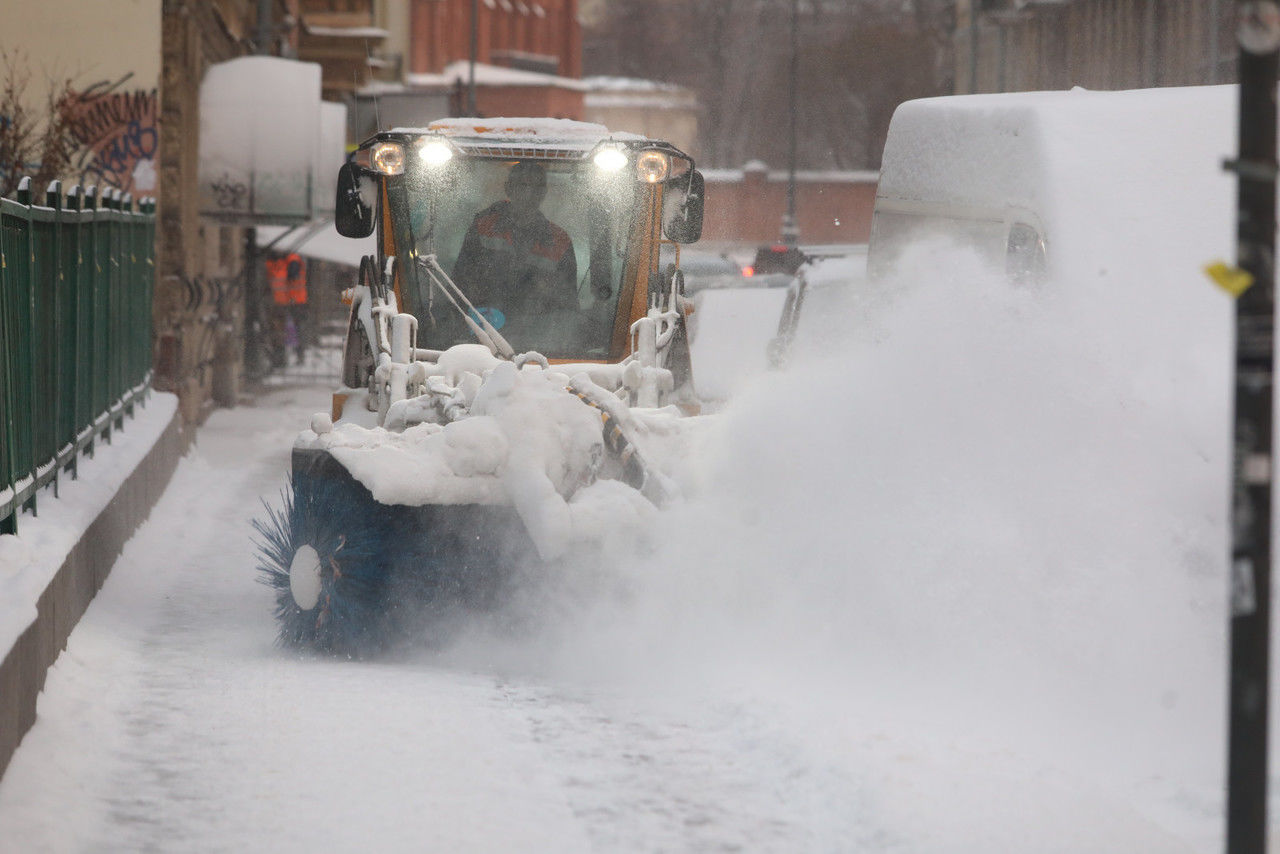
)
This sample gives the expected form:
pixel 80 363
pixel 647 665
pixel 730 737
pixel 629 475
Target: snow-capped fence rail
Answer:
pixel 76 283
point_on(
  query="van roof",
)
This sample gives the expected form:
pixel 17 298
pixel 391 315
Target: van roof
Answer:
pixel 1018 149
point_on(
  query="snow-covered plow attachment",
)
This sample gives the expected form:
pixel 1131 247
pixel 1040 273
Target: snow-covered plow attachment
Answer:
pixel 516 375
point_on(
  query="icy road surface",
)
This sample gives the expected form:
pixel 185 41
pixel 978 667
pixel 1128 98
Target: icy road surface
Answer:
pixel 955 586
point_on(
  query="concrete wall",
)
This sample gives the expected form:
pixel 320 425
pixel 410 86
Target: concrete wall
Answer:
pixel 676 126
pixel 115 102
pixel 747 205
pixel 22 672
pixel 393 16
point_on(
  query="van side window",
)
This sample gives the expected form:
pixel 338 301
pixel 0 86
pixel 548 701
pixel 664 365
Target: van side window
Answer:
pixel 1024 257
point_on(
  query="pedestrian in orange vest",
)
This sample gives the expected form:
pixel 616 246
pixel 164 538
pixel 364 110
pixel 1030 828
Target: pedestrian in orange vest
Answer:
pixel 287 277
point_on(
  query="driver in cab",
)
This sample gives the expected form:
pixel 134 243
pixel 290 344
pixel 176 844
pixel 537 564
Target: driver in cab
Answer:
pixel 514 258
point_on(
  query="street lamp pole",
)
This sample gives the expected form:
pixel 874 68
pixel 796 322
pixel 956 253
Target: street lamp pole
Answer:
pixel 475 48
pixel 1255 168
pixel 254 310
pixel 790 230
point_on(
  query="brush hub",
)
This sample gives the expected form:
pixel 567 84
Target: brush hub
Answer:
pixel 304 577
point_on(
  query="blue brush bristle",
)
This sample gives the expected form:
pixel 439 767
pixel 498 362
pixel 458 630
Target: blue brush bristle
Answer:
pixel 385 570
pixel 350 538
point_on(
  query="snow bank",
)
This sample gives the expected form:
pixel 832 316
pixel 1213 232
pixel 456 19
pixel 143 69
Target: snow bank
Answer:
pixel 29 560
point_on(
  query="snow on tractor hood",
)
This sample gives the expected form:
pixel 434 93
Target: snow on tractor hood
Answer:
pixel 522 438
pixel 566 132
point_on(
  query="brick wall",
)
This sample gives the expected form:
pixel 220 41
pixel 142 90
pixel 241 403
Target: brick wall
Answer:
pixel 747 205
pixel 552 101
pixel 441 34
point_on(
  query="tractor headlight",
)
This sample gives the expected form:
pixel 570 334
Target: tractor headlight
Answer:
pixel 388 158
pixel 610 159
pixel 652 166
pixel 435 152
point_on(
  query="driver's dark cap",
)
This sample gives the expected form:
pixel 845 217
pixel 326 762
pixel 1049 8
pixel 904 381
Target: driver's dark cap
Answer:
pixel 528 173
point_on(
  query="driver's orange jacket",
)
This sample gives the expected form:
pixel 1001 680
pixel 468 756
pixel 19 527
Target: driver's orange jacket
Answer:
pixel 517 267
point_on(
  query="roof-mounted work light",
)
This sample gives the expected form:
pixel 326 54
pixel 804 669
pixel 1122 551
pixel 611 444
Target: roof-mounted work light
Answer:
pixel 435 152
pixel 610 158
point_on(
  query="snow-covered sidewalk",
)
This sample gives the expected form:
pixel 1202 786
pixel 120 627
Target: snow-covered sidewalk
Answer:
pixel 173 721
pixel 29 560
pixel 876 629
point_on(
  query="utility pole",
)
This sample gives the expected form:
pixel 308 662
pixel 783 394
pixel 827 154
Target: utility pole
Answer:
pixel 973 47
pixel 1259 39
pixel 475 49
pixel 262 32
pixel 253 309
pixel 790 229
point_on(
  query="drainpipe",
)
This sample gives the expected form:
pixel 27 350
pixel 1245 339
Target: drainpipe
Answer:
pixel 253 312
pixel 475 49
pixel 262 34
pixel 790 229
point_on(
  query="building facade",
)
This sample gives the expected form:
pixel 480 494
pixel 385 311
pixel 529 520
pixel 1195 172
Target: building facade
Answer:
pixel 531 35
pixel 657 110
pixel 528 60
pixel 1030 45
pixel 134 70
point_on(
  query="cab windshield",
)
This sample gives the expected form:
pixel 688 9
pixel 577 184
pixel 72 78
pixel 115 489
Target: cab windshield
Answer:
pixel 537 246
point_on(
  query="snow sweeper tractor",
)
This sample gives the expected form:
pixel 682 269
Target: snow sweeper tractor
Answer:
pixel 516 381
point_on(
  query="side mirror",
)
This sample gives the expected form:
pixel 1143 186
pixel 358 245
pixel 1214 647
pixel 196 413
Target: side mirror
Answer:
pixel 351 216
pixel 682 217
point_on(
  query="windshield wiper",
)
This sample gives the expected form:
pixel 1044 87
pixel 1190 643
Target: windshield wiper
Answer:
pixel 484 331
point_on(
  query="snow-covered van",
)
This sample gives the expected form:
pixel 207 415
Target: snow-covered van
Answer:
pixel 1057 184
pixel 1106 205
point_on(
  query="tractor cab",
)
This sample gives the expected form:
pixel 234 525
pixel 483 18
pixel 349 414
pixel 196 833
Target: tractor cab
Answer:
pixel 514 352
pixel 549 229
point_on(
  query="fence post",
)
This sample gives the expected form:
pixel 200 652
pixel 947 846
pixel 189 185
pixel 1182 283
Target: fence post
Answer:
pixel 118 306
pixel 8 426
pixel 29 305
pixel 75 392
pixel 98 358
pixel 57 357
pixel 129 254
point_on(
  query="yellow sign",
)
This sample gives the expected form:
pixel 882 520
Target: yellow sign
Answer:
pixel 1231 279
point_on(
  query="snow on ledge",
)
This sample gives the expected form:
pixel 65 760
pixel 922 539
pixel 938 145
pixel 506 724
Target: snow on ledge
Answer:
pixel 30 560
pixel 493 75
pixel 349 32
pixel 831 176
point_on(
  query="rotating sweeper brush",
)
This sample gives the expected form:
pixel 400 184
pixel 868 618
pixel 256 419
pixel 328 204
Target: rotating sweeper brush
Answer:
pixel 449 467
pixel 326 557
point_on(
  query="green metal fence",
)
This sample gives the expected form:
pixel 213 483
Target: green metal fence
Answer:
pixel 76 281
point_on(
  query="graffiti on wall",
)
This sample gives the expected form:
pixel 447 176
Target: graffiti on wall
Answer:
pixel 115 128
